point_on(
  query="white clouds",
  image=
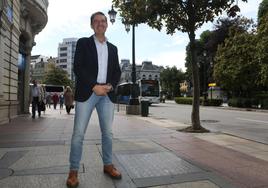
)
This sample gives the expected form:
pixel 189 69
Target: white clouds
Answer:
pixel 250 7
pixel 170 58
pixel 66 18
pixel 177 40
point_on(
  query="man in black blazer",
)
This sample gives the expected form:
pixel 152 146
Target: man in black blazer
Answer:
pixel 97 71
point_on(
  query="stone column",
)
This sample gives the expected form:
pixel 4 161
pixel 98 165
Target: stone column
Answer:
pixel 27 75
pixel 1 68
pixel 1 58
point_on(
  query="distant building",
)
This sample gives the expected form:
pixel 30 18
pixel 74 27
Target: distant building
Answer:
pixel 126 71
pixel 20 21
pixel 66 52
pixel 40 65
pixel 38 58
pixel 146 71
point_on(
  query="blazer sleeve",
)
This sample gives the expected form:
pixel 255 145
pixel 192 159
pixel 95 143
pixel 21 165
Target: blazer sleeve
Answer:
pixel 80 68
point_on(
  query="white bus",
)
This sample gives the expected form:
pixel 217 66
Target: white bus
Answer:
pixel 149 90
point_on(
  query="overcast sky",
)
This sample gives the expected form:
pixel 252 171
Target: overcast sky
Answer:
pixel 71 18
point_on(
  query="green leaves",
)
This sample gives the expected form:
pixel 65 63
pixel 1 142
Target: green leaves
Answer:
pixel 173 14
pixel 263 9
pixel 170 79
pixel 262 49
pixel 57 76
pixel 236 67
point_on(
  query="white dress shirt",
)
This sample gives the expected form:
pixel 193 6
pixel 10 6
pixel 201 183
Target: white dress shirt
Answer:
pixel 35 91
pixel 102 51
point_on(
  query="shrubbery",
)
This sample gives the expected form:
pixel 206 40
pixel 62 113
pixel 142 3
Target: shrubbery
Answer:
pixel 208 102
pixel 249 102
pixel 257 102
pixel 264 104
pixel 183 100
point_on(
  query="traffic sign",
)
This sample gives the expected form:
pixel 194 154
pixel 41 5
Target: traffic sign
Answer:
pixel 212 84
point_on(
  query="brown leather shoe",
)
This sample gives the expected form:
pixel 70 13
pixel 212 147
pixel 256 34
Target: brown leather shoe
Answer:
pixel 112 172
pixel 72 181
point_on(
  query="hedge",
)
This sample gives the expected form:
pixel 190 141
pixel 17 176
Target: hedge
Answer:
pixel 208 102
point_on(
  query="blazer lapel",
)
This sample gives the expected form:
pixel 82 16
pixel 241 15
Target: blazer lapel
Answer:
pixel 93 49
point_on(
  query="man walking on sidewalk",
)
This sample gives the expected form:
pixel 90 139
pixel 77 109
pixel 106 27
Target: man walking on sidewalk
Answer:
pixel 36 97
pixel 97 71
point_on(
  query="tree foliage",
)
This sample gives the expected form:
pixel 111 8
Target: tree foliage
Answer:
pixel 175 15
pixel 209 42
pixel 170 79
pixel 262 50
pixel 242 60
pixel 237 67
pixel 221 31
pixel 263 9
pixel 181 15
pixel 57 76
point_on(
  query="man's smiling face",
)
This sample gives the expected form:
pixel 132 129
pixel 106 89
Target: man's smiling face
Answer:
pixel 99 24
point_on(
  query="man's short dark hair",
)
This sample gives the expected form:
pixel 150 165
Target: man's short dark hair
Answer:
pixel 95 14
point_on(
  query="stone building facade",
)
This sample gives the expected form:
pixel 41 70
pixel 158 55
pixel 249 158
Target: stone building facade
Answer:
pixel 20 21
pixel 147 70
pixel 40 66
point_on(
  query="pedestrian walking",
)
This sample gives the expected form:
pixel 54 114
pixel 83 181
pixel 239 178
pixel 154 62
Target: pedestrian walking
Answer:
pixel 36 97
pixel 97 71
pixel 68 99
pixel 55 99
pixel 61 99
pixel 48 99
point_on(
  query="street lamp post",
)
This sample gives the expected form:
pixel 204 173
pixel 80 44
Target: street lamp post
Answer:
pixel 204 76
pixel 134 93
pixel 134 97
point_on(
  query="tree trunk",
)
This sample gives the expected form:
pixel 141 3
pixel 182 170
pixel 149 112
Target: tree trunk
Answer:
pixel 196 85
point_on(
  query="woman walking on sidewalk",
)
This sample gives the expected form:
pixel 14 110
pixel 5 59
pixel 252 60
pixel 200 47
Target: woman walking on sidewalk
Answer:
pixel 55 99
pixel 68 99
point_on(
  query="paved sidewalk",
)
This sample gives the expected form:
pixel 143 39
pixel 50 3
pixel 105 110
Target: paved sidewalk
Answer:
pixel 149 152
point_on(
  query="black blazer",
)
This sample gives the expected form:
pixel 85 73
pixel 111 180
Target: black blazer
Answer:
pixel 86 68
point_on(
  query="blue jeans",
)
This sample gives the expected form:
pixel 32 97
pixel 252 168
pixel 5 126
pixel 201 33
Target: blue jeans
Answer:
pixel 83 111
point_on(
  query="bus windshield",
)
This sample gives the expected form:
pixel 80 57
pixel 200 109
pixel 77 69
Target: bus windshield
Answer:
pixel 149 88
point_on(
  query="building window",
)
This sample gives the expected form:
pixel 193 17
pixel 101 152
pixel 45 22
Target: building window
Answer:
pixel 63 66
pixel 63 49
pixel 63 60
pixel 63 54
pixel 150 77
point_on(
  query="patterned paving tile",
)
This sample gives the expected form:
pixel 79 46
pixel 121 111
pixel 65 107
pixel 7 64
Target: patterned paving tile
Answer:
pixel 155 164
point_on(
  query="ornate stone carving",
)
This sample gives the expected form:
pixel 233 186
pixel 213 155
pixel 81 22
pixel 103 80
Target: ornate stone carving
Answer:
pixel 23 10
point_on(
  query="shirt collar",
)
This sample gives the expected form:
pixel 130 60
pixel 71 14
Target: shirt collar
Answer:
pixel 97 40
